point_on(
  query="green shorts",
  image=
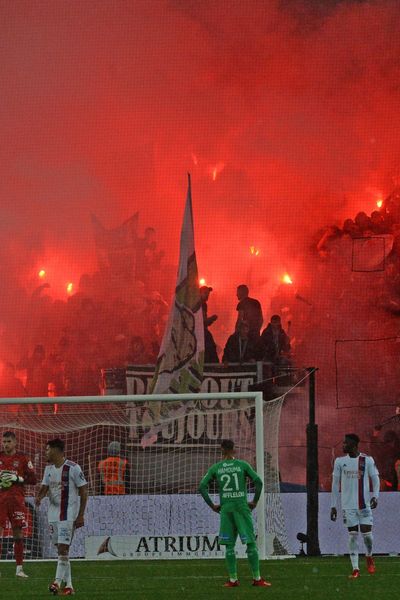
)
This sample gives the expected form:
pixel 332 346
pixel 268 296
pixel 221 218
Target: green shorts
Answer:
pixel 236 520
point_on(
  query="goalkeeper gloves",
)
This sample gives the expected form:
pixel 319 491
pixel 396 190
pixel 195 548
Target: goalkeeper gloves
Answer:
pixel 7 479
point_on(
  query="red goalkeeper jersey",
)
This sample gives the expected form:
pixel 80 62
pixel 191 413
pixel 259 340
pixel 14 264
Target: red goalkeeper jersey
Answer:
pixel 21 465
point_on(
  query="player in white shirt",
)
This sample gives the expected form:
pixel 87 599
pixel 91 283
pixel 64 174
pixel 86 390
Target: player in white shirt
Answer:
pixel 351 476
pixel 66 486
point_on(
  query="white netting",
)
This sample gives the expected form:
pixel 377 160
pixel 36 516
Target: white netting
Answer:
pixel 168 446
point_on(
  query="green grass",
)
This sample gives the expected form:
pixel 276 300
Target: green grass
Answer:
pixel 311 578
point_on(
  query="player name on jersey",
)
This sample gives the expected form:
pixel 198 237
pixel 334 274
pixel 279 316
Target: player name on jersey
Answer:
pixel 229 469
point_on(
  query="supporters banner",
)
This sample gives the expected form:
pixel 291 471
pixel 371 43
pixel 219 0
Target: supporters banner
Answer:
pixel 195 427
pixel 136 379
pixel 179 367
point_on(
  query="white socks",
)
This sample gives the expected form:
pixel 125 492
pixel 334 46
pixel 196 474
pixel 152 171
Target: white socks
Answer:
pixel 353 548
pixel 63 572
pixel 67 575
pixel 368 539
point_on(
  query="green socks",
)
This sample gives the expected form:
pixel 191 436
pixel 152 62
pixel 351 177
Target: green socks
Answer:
pixel 230 559
pixel 252 557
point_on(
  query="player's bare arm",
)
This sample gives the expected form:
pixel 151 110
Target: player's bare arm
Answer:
pixel 83 494
pixel 42 493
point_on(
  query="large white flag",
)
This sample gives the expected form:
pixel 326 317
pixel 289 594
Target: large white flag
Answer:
pixel 180 362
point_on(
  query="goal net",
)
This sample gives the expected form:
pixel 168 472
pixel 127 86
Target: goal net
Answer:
pixel 143 458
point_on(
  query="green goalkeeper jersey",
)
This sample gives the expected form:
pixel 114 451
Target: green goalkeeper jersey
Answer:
pixel 231 476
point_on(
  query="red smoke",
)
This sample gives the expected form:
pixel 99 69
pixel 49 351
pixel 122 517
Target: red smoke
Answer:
pixel 286 114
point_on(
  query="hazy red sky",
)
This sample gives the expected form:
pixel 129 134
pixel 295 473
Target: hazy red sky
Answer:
pixel 107 104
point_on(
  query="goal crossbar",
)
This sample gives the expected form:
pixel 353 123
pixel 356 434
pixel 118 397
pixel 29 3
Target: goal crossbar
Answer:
pixel 256 396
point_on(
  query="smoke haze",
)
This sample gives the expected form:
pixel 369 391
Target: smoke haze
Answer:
pixel 286 115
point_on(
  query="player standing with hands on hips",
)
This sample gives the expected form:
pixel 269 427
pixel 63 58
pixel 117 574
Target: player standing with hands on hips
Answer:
pixel 16 470
pixel 66 486
pixel 353 473
pixel 235 511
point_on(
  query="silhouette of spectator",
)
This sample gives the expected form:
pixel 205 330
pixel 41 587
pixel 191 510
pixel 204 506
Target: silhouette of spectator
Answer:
pixel 378 224
pixel 147 255
pixel 363 222
pixel 10 385
pixel 56 385
pixel 249 310
pixel 351 228
pixel 240 347
pixel 387 454
pixel 391 206
pixel 210 348
pixel 137 352
pixel 275 343
pixel 37 376
pixel 330 233
pixel 155 315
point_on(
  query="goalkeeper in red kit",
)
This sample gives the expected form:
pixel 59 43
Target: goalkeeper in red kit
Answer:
pixel 16 470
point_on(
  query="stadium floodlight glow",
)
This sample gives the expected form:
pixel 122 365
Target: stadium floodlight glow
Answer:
pixel 161 514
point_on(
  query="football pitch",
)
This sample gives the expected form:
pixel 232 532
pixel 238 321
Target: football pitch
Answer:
pixel 300 578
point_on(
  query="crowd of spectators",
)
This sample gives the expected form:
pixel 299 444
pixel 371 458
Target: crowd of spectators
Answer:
pixel 110 321
pixel 384 221
pixel 247 344
pixel 115 318
pixel 99 331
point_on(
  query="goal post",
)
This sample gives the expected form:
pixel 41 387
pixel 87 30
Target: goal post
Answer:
pixel 168 441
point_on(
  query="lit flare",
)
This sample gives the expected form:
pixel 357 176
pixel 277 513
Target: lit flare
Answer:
pixel 287 279
pixel 217 169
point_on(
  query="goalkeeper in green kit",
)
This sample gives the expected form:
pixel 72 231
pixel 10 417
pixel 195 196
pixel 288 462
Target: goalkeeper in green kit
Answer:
pixel 235 512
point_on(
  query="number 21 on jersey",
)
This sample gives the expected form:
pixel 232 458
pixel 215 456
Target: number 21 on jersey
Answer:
pixel 227 480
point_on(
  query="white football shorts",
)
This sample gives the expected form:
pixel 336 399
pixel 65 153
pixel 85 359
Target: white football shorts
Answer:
pixel 353 517
pixel 61 532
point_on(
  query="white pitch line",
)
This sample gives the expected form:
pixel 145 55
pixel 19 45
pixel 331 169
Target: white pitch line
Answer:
pixel 184 577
